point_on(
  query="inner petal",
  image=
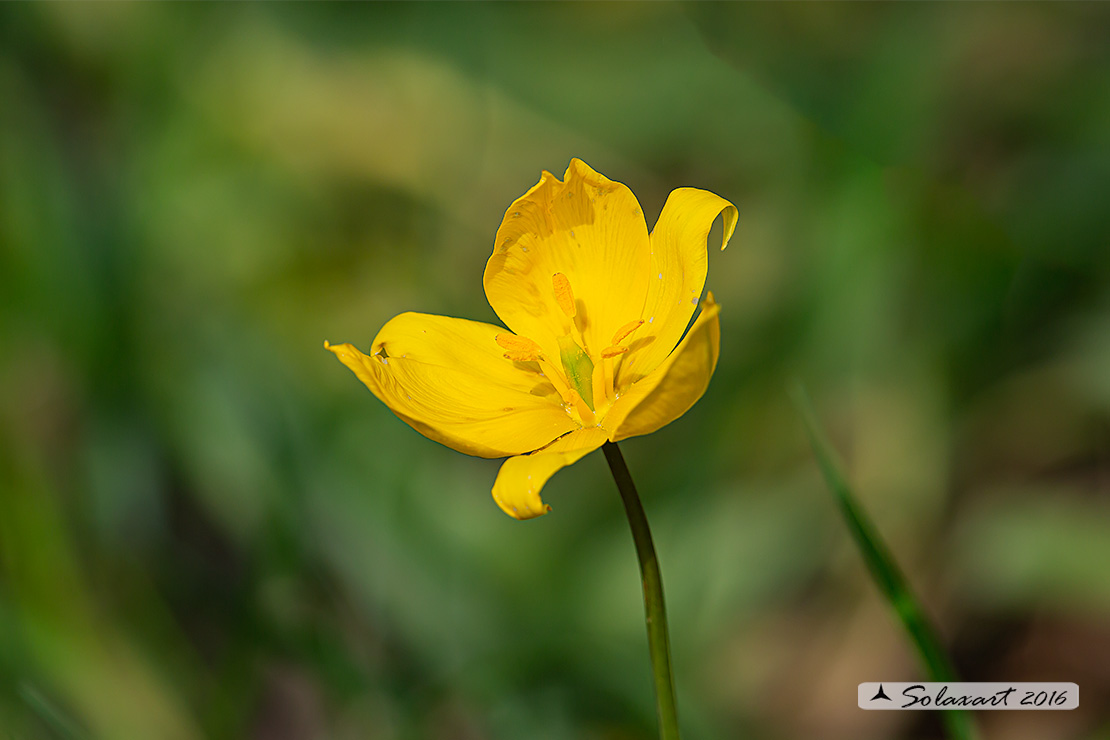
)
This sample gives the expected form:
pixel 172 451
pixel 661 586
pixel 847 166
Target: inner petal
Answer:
pixel 591 231
pixel 678 269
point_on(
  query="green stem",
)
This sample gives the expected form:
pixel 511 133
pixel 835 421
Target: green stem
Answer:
pixel 655 611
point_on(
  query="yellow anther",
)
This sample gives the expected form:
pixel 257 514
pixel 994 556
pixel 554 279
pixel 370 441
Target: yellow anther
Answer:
pixel 624 331
pixel 613 351
pixel 518 349
pixel 564 296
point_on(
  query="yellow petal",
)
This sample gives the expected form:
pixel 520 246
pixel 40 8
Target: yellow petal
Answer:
pixel 678 266
pixel 590 231
pixel 517 489
pixel 673 387
pixel 449 380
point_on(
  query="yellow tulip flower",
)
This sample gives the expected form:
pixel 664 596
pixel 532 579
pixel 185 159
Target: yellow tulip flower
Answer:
pixel 596 306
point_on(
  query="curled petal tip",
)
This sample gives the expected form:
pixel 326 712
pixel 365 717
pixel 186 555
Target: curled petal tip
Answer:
pixel 339 350
pixel 524 507
pixel 730 217
pixel 518 485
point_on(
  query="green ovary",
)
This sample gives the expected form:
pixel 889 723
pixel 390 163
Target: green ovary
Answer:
pixel 579 369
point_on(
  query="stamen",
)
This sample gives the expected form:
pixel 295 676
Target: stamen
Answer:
pixel 519 349
pixel 624 331
pixel 599 386
pixel 564 296
pixel 555 377
pixel 522 349
pixel 584 411
pixel 607 379
pixel 613 351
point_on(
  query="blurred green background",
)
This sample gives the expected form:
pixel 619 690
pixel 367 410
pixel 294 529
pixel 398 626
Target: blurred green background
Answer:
pixel 210 529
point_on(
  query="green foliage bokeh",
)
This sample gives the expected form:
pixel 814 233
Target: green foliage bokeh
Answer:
pixel 208 528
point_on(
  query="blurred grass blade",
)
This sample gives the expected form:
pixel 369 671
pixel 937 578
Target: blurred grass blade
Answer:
pixel 884 570
pixel 50 714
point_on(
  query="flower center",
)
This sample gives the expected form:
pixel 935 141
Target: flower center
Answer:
pixel 584 380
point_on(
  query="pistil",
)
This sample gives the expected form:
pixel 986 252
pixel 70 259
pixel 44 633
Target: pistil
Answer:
pixel 579 369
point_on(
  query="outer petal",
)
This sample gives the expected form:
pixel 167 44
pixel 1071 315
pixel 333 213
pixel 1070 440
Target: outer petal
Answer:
pixel 589 228
pixel 678 266
pixel 673 387
pixel 517 489
pixel 448 379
